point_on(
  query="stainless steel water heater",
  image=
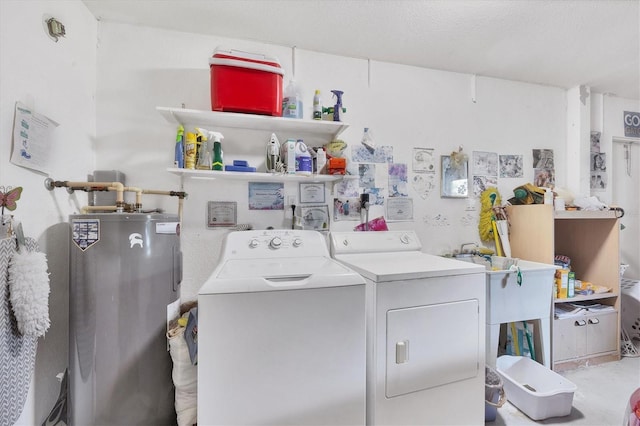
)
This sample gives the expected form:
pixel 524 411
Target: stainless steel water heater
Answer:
pixel 125 272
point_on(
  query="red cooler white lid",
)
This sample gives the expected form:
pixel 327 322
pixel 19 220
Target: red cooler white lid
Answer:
pixel 239 58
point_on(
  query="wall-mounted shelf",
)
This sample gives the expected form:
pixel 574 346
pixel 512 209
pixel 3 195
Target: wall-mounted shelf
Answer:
pixel 585 214
pixel 312 131
pixel 251 176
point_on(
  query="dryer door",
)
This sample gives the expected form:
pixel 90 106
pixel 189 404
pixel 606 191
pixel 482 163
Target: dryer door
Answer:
pixel 432 345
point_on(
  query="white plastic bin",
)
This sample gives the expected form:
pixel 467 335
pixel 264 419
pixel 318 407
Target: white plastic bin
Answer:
pixel 536 390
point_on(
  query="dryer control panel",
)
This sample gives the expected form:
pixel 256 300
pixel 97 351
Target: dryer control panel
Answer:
pixel 374 242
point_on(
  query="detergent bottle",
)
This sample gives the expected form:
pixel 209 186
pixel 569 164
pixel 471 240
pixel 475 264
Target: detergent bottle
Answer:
pixel 304 162
pixel 292 101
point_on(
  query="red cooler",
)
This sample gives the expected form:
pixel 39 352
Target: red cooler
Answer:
pixel 246 82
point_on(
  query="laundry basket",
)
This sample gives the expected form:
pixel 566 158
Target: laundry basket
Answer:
pixel 494 395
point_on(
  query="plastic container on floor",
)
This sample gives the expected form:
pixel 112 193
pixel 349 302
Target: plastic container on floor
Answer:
pixel 534 389
pixel 494 395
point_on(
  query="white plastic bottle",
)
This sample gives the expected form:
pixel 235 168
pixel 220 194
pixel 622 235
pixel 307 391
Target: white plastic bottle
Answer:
pixel 292 101
pixel 317 106
pixel 548 196
pixel 321 161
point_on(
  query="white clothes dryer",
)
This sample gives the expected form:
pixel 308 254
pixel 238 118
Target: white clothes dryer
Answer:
pixel 425 330
pixel 281 334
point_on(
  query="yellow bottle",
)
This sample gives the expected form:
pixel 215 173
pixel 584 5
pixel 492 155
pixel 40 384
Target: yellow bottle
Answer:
pixel 190 149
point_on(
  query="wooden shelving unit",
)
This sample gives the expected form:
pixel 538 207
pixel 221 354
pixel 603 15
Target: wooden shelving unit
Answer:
pixel 591 240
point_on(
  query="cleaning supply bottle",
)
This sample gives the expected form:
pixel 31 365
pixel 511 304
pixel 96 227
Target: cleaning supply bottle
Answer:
pixel 218 164
pixel 304 162
pixel 292 101
pixel 548 196
pixel 317 106
pixel 321 161
pixel 337 108
pixel 204 153
pixel 190 149
pixel 178 160
pixel 211 138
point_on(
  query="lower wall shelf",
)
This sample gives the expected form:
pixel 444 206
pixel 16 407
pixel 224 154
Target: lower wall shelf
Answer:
pixel 251 176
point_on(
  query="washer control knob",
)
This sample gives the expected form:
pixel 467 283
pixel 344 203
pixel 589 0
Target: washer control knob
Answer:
pixel 297 242
pixel 404 239
pixel 253 243
pixel 345 242
pixel 275 243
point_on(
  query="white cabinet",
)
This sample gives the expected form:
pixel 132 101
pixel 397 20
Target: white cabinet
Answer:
pixel 585 335
pixel 253 131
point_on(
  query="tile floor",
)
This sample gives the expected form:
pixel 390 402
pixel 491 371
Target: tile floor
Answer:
pixel 601 399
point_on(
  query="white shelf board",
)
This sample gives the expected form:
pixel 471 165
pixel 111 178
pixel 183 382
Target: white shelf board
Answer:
pixel 585 214
pixel 581 297
pixel 326 130
pixel 251 176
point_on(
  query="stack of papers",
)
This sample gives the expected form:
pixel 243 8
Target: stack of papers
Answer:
pixel 564 310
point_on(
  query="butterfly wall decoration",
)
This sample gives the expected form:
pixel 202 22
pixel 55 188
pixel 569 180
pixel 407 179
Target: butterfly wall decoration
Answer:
pixel 8 197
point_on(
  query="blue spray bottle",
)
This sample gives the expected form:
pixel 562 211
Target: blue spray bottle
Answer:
pixel 179 153
pixel 337 109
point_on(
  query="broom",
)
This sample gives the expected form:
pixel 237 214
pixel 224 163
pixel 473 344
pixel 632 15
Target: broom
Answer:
pixel 489 198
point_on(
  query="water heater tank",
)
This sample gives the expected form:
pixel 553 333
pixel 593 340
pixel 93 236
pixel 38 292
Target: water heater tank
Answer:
pixel 125 270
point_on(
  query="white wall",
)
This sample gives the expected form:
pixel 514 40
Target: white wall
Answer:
pixel 57 80
pixel 623 189
pixel 102 83
pixel 142 68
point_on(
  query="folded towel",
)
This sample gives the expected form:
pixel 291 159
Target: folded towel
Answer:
pixel 29 292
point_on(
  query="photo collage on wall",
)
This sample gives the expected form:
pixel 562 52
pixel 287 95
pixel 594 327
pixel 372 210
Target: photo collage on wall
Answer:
pixel 485 171
pixel 373 172
pixel 544 174
pixel 597 165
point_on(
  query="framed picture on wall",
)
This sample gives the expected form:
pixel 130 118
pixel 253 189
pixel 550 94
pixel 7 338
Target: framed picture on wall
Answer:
pixel 315 217
pixel 455 179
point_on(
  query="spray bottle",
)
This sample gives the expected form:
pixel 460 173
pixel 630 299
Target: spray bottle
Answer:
pixel 337 109
pixel 217 150
pixel 204 152
pixel 178 160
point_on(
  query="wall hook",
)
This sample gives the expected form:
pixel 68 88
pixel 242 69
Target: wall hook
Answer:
pixel 54 28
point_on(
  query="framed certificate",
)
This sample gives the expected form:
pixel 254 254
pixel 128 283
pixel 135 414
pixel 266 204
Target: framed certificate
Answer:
pixel 312 192
pixel 221 214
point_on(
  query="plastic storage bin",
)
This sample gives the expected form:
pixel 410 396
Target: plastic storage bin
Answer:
pixel 537 391
pixel 246 82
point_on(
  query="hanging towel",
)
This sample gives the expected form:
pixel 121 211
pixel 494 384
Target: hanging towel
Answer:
pixel 17 351
pixel 29 291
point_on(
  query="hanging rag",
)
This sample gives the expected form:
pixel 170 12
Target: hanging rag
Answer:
pixel 17 351
pixel 29 291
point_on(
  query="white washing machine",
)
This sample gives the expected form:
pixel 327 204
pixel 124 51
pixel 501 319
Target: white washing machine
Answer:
pixel 281 334
pixel 425 330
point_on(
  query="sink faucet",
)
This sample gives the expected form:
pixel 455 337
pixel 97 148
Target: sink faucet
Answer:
pixel 467 244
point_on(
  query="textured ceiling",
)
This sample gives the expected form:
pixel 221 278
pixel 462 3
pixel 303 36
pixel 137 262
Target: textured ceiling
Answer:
pixel 563 43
